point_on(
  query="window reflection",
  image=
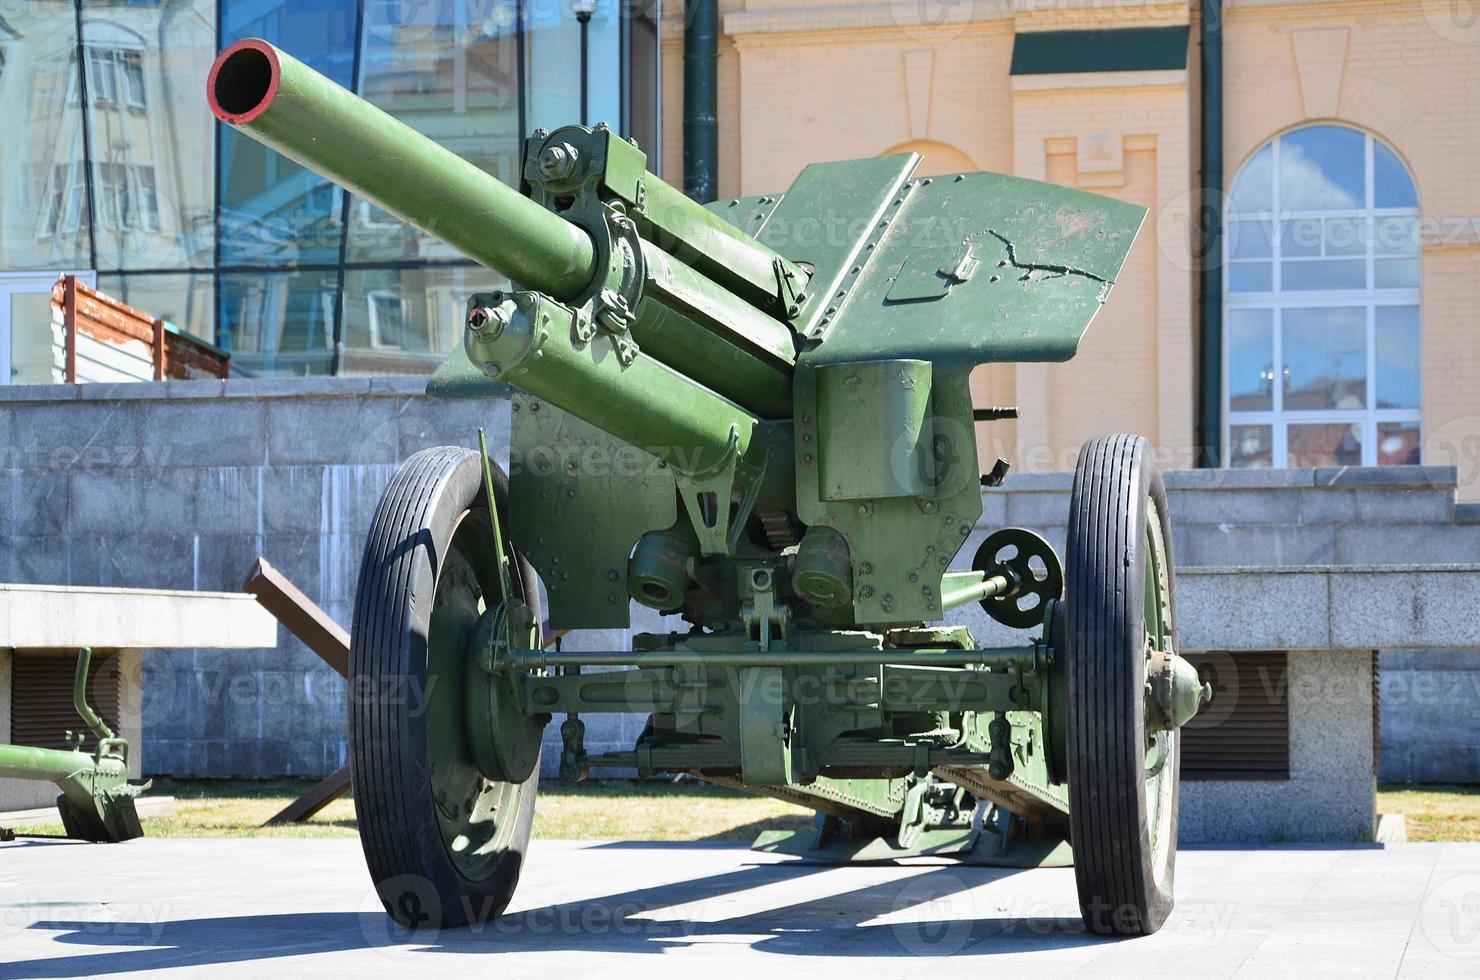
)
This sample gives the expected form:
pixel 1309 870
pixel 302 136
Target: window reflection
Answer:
pixel 152 182
pixel 180 298
pixel 1322 168
pixel 1325 358
pixel 1250 360
pixel 281 323
pixel 554 81
pixel 1250 446
pixel 452 74
pixel 1397 356
pixel 1323 238
pixel 43 219
pixel 274 212
pixel 1326 445
pixel 403 321
pixel 119 169
pixel 1398 443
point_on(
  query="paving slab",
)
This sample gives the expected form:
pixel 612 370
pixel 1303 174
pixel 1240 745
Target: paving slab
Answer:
pixel 304 908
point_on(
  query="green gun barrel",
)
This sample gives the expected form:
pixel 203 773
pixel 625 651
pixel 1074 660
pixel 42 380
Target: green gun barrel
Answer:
pixel 288 106
pixel 52 765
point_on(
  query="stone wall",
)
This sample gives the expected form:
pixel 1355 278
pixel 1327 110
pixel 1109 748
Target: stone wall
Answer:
pixel 183 484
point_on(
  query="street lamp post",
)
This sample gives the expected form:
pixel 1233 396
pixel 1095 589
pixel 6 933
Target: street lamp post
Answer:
pixel 583 9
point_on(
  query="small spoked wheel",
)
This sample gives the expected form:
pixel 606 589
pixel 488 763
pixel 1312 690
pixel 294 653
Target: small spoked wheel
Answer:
pixel 444 842
pixel 1120 610
pixel 1032 566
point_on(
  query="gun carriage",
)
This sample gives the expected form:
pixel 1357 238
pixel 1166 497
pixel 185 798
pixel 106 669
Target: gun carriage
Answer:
pixel 753 415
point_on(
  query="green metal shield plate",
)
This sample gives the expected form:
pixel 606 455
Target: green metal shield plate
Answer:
pixel 578 501
pixel 977 268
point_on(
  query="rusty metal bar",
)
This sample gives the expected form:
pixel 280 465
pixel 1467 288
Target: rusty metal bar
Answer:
pixel 320 795
pixel 299 614
pixel 69 329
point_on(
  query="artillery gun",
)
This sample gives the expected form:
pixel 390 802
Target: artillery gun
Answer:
pixel 96 801
pixel 753 415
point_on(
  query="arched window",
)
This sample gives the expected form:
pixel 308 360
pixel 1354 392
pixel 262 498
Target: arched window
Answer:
pixel 1321 305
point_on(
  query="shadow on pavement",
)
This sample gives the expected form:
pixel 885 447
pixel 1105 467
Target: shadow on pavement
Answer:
pixel 859 922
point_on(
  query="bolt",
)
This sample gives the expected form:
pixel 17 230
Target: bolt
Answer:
pixel 558 162
pixel 484 318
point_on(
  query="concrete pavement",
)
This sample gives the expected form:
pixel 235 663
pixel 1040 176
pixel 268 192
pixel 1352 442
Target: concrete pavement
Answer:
pixel 291 908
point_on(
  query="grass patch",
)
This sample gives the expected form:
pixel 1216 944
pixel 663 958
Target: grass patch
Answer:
pixel 655 810
pixel 1434 812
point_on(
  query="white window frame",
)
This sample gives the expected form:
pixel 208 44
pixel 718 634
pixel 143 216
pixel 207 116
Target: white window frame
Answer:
pixel 145 198
pixel 374 296
pixel 133 94
pixel 1278 301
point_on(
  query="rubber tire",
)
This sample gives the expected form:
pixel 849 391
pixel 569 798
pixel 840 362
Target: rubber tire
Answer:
pixel 399 832
pixel 1117 490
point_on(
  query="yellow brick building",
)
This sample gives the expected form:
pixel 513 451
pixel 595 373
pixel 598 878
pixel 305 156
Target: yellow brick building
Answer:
pixel 1351 277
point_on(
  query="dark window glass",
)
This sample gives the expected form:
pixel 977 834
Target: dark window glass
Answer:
pixel 43 205
pixel 451 79
pixel 278 323
pixel 274 212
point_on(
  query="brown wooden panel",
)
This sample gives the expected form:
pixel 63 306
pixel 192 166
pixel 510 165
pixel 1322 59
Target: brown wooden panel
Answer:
pixel 100 316
pixel 1245 732
pixel 41 711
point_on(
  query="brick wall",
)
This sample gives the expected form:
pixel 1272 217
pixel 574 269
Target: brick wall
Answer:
pixel 804 81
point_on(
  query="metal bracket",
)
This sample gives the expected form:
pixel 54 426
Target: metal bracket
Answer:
pixel 706 498
pixel 791 292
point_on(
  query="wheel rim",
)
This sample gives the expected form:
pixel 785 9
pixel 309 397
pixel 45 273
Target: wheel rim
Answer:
pixel 1161 747
pixel 476 815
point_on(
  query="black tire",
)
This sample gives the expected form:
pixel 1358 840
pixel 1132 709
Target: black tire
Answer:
pixel 430 546
pixel 1123 825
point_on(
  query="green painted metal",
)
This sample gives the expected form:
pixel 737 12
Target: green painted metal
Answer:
pixel 1022 268
pixel 1108 49
pixel 1015 658
pixel 606 492
pixel 1210 239
pixel 700 98
pixel 281 102
pixel 96 801
pixel 754 415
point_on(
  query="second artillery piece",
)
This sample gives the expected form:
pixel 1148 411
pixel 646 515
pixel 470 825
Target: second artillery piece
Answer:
pixel 754 415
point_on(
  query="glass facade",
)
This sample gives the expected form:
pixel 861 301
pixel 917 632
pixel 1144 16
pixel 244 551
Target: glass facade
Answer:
pixel 1321 304
pixel 112 164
